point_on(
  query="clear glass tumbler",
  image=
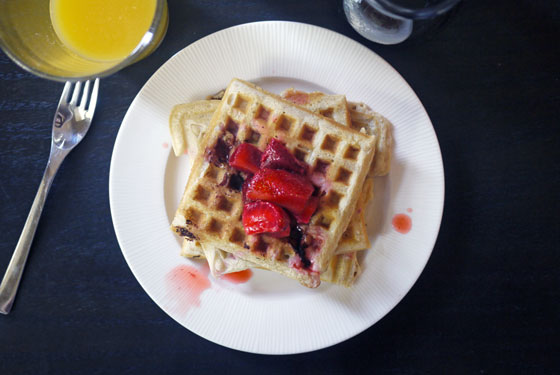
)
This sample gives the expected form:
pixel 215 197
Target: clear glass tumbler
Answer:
pixel 28 37
pixel 393 21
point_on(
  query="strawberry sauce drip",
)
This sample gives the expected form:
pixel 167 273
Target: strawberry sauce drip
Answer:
pixel 186 284
pixel 240 277
pixel 402 223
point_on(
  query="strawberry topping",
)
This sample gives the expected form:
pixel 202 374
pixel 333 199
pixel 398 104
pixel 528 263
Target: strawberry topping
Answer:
pixel 246 158
pixel 244 191
pixel 284 188
pixel 308 211
pixel 277 156
pixel 265 217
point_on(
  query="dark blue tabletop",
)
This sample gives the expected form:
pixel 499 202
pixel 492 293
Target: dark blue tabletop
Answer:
pixel 487 301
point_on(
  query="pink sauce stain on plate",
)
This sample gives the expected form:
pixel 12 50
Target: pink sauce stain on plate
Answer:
pixel 205 269
pixel 409 210
pixel 186 284
pixel 402 223
pixel 165 145
pixel 238 277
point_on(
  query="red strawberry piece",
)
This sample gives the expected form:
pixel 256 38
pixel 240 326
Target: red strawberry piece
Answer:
pixel 277 156
pixel 265 217
pixel 308 211
pixel 284 188
pixel 246 158
pixel 244 191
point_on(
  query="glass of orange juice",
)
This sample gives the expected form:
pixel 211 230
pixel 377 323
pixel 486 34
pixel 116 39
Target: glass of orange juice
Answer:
pixel 80 39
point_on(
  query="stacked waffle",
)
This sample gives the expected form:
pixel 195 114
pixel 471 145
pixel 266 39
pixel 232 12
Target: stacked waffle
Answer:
pixel 336 141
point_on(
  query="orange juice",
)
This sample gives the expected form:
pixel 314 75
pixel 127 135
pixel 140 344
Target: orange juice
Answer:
pixel 102 30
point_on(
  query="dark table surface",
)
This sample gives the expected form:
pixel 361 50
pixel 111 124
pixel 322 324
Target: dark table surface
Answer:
pixel 488 300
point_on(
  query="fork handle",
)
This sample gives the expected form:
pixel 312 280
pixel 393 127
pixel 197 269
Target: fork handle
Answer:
pixel 12 277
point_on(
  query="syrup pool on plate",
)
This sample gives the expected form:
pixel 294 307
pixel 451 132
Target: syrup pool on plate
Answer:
pixel 102 30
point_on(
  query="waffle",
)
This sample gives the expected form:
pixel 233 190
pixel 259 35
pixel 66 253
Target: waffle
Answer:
pixel 335 106
pixel 331 106
pixel 342 270
pixel 219 261
pixel 364 119
pixel 186 122
pixel 193 128
pixel 210 209
pixel 354 237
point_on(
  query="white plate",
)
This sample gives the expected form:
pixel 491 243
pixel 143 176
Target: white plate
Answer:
pixel 271 314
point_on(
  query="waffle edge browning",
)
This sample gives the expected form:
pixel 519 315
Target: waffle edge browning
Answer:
pixel 211 212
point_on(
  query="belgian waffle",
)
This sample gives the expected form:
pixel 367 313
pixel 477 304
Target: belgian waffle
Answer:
pixel 193 128
pixel 185 123
pixel 354 237
pixel 364 119
pixel 210 209
pixel 331 106
pixel 342 270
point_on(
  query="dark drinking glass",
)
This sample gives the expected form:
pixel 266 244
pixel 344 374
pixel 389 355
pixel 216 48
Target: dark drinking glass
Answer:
pixel 394 21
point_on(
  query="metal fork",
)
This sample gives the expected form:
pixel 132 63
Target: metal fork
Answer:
pixel 70 125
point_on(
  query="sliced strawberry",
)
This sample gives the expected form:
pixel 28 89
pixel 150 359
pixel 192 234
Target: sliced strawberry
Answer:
pixel 246 158
pixel 308 211
pixel 277 156
pixel 265 217
pixel 284 188
pixel 244 191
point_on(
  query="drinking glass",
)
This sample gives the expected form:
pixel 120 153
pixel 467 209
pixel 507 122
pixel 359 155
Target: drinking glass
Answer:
pixel 28 37
pixel 394 21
